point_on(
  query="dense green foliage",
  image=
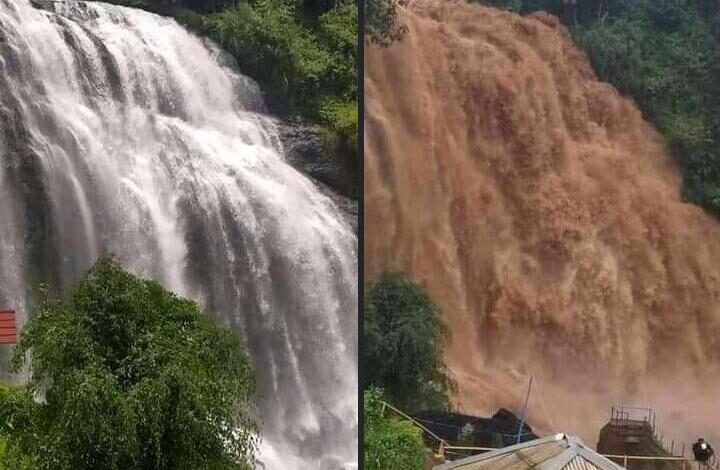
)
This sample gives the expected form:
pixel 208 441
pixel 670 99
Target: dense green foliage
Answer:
pixel 389 443
pixel 381 22
pixel 665 54
pixel 404 343
pixel 133 378
pixel 14 406
pixel 10 459
pixel 306 57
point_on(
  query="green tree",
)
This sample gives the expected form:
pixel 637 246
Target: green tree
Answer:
pixel 272 46
pixel 382 25
pixel 133 377
pixel 15 405
pixel 389 443
pixel 404 343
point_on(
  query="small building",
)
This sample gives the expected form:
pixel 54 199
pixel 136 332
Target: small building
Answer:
pixel 558 452
pixel 631 431
pixel 500 430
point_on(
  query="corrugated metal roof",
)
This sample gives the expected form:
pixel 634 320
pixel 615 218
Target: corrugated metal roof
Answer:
pixel 579 463
pixel 559 452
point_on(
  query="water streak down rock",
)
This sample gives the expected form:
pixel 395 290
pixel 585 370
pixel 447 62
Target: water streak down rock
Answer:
pixel 122 133
pixel 544 217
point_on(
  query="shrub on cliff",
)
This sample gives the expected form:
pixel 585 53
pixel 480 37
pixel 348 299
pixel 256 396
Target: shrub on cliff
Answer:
pixel 304 55
pixel 14 419
pixel 133 377
pixel 389 443
pixel 404 343
pixel 382 25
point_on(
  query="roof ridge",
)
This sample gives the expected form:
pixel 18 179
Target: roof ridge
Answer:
pixel 562 452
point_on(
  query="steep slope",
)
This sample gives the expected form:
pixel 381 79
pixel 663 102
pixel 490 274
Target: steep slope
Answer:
pixel 544 217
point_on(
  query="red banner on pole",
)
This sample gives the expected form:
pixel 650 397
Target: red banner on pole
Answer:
pixel 8 327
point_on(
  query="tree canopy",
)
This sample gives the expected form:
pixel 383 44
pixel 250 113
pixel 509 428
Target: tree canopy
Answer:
pixel 382 25
pixel 404 344
pixel 131 377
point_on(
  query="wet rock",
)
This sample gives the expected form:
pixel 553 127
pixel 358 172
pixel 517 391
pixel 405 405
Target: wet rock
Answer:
pixel 348 206
pixel 306 149
pixel 43 4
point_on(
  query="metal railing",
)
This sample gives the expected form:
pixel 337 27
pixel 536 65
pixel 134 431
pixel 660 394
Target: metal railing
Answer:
pixel 442 443
pixel 624 414
pixel 685 462
pixel 625 458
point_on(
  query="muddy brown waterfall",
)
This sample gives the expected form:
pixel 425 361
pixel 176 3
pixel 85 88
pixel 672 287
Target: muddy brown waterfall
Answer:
pixel 544 217
pixel 122 133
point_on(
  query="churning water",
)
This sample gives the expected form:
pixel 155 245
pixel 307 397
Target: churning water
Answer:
pixel 549 230
pixel 120 132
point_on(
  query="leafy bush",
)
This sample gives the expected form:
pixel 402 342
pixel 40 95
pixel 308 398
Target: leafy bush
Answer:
pixel 15 404
pixel 341 116
pixel 274 48
pixel 389 443
pixel 341 139
pixel 381 22
pixel 10 459
pixel 404 343
pixel 192 20
pixel 133 377
pixel 337 32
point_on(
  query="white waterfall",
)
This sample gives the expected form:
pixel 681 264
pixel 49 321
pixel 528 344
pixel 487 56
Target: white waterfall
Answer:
pixel 122 133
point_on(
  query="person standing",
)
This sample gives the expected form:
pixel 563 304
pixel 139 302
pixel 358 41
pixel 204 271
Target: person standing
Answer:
pixel 703 452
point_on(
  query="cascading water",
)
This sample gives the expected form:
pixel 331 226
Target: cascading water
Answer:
pixel 122 133
pixel 550 229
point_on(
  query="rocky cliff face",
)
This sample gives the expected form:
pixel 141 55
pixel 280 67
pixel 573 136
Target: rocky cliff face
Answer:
pixel 307 150
pixel 544 217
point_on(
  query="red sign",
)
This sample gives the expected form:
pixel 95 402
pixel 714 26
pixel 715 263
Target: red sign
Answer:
pixel 8 328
